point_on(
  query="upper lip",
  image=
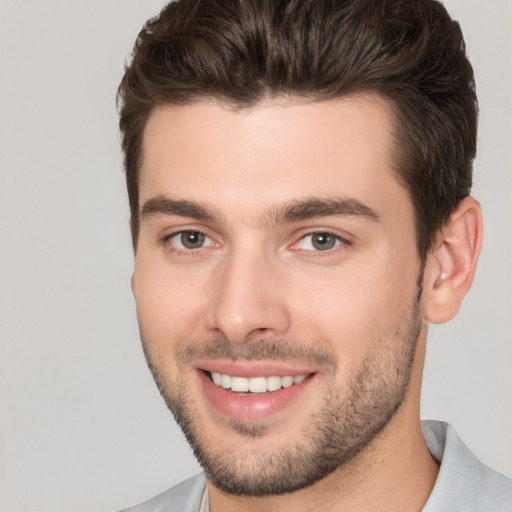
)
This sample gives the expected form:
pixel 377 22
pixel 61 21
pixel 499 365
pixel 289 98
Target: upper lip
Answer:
pixel 250 369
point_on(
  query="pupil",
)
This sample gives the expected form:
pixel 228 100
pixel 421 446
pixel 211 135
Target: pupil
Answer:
pixel 323 241
pixel 192 239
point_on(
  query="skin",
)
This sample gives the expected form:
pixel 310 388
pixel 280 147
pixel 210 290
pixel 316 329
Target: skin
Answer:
pixel 258 278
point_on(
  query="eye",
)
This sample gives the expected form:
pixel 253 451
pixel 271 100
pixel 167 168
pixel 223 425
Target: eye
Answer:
pixel 190 240
pixel 319 242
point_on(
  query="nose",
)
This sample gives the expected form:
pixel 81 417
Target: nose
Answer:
pixel 249 300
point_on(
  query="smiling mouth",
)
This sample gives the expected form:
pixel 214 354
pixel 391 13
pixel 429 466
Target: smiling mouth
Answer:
pixel 255 385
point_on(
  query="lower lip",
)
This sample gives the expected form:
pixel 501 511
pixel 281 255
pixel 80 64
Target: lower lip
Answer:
pixel 250 408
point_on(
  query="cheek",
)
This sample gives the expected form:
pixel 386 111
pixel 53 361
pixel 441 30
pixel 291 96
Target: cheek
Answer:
pixel 170 303
pixel 353 309
pixel 344 313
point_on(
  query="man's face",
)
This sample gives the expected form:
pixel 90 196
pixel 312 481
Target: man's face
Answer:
pixel 276 281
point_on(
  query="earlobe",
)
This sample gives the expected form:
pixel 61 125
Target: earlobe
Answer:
pixel 452 263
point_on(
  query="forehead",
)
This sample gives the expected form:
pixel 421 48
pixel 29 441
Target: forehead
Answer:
pixel 273 152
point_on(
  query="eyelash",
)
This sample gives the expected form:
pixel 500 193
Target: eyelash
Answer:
pixel 166 241
pixel 341 243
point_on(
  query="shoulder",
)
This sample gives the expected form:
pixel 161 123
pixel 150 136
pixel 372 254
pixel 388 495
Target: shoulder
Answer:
pixel 463 482
pixel 184 497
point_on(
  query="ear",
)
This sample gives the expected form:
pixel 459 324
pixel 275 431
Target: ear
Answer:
pixel 451 265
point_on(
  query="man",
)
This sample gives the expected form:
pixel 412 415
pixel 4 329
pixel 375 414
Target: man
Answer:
pixel 299 176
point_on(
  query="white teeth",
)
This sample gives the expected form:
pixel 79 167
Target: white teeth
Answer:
pixel 255 384
pixel 287 382
pixel 239 384
pixel 225 381
pixel 299 379
pixel 273 383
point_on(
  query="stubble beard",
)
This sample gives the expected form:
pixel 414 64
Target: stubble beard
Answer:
pixel 348 419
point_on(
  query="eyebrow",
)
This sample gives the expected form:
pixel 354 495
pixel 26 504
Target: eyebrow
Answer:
pixel 162 205
pixel 293 211
pixel 314 207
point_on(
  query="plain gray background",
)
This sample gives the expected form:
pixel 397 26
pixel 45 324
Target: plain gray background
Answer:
pixel 82 425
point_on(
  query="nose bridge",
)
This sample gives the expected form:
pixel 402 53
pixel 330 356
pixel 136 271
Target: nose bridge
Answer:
pixel 249 297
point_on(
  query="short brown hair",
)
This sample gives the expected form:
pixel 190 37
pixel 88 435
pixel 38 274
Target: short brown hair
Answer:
pixel 241 51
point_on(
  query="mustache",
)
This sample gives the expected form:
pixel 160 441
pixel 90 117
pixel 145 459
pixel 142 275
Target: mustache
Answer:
pixel 258 350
